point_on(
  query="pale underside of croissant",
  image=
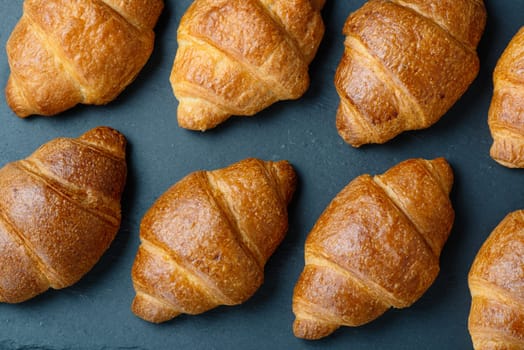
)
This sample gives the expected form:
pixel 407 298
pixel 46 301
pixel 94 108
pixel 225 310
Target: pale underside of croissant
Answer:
pixel 405 63
pixel 376 246
pixel 63 52
pixel 59 211
pixel 206 240
pixel 506 114
pixel 237 57
pixel 496 282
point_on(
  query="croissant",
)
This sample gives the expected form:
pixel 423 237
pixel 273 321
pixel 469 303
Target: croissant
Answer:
pixel 376 246
pixel 63 52
pixel 59 211
pixel 506 114
pixel 404 65
pixel 237 57
pixel 206 240
pixel 496 282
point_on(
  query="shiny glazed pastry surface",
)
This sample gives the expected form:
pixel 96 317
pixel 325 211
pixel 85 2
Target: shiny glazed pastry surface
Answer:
pixel 59 212
pixel 405 63
pixel 206 240
pixel 496 282
pixel 237 57
pixel 376 246
pixel 63 52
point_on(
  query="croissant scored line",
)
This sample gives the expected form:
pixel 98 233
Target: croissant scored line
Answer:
pixel 435 22
pixel 53 48
pixel 278 23
pixel 309 312
pixel 508 82
pixel 115 10
pixel 85 199
pixel 372 288
pixel 391 80
pixel 397 204
pixel 483 288
pixel 102 151
pixel 45 271
pixel 207 288
pixel 432 172
pixel 239 59
pixel 68 195
pixel 231 218
pixel 186 92
pixel 202 93
pixel 395 198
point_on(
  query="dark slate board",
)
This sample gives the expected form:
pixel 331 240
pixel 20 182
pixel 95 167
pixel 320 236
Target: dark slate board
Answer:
pixel 95 313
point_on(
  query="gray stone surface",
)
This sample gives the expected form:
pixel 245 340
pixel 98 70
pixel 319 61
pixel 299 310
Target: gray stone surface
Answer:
pixel 95 313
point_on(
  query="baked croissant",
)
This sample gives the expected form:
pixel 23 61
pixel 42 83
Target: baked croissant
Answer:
pixel 206 240
pixel 59 211
pixel 376 246
pixel 63 52
pixel 404 65
pixel 496 282
pixel 237 57
pixel 506 114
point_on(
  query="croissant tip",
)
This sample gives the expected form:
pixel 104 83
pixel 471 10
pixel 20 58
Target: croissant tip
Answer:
pixel 443 171
pixel 508 152
pixel 287 178
pixel 312 329
pixel 107 138
pixel 149 310
pixel 199 116
pixel 16 101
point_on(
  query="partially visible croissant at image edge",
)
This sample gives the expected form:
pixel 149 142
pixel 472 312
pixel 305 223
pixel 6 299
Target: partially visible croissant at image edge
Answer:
pixel 63 52
pixel 237 57
pixel 496 282
pixel 506 113
pixel 205 241
pixel 376 246
pixel 405 63
pixel 59 212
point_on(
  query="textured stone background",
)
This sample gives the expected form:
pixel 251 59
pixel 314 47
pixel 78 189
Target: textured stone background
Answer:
pixel 94 314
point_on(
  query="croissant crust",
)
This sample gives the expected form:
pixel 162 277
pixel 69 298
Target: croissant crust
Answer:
pixel 237 57
pixel 206 240
pixel 496 282
pixel 62 52
pixel 506 113
pixel 376 246
pixel 59 211
pixel 405 63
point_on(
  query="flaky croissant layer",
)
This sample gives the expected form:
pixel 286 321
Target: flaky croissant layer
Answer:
pixel 376 246
pixel 59 211
pixel 206 240
pixel 496 282
pixel 237 57
pixel 506 113
pixel 63 52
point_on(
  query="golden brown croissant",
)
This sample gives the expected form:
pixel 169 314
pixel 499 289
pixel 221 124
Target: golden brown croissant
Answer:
pixel 376 246
pixel 206 240
pixel 63 52
pixel 506 114
pixel 59 211
pixel 237 57
pixel 496 282
pixel 405 63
